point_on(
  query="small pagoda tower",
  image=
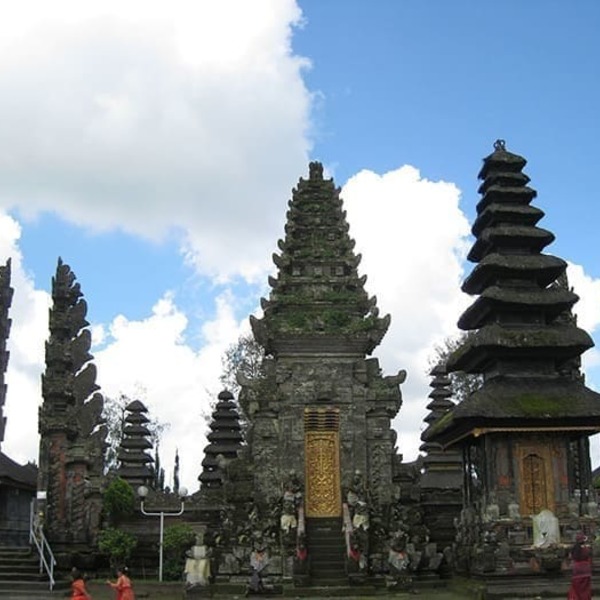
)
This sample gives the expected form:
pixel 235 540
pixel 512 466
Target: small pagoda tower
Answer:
pixel 134 460
pixel 72 431
pixel 225 440
pixel 442 475
pixel 524 433
pixel 323 410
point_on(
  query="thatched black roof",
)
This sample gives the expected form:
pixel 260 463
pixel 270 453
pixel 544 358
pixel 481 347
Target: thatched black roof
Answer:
pixel 526 404
pixel 13 474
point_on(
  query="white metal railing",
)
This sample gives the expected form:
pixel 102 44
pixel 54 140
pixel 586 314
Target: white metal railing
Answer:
pixel 37 537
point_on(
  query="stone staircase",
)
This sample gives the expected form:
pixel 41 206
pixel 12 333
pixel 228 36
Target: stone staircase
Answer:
pixel 20 573
pixel 326 551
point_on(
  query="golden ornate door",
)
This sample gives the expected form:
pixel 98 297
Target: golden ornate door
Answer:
pixel 322 463
pixel 536 481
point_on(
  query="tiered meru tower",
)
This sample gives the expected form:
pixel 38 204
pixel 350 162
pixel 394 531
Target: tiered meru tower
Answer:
pixel 524 433
pixel 323 408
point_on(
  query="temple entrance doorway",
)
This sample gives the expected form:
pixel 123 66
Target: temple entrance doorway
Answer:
pixel 536 478
pixel 322 462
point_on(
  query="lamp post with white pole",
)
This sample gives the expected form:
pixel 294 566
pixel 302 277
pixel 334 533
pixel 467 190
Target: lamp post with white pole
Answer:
pixel 142 493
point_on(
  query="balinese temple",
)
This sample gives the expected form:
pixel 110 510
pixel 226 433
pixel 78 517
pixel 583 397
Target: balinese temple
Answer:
pixel 525 433
pixel 72 434
pixel 441 481
pixel 225 440
pixel 320 418
pixel 307 474
pixel 135 463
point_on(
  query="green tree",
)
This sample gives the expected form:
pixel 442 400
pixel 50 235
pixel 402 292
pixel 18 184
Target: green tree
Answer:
pixel 244 357
pixel 117 544
pixel 462 384
pixel 178 539
pixel 118 501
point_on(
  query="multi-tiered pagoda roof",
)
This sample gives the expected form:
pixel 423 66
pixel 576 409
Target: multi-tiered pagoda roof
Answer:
pixel 134 460
pixel 520 341
pixel 318 300
pixel 225 440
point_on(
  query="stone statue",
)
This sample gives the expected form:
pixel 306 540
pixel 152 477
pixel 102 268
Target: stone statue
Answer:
pixel 514 510
pixel 259 561
pixel 591 507
pixel 288 513
pixel 291 501
pixel 398 556
pixel 357 491
pixel 545 529
pixel 197 564
pixel 292 488
pixel 492 510
pixel 360 520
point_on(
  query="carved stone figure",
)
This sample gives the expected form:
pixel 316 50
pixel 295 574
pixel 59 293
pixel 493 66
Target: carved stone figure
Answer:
pixel 545 529
pixel 197 563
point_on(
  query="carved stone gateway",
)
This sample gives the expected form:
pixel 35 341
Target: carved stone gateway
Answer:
pixel 323 408
pixel 72 434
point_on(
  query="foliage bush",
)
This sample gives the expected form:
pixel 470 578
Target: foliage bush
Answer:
pixel 177 540
pixel 118 500
pixel 118 544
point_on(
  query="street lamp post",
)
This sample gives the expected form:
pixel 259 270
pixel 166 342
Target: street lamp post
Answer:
pixel 142 493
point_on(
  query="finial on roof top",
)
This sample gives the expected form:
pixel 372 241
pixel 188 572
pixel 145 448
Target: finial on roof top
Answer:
pixel 315 170
pixel 500 145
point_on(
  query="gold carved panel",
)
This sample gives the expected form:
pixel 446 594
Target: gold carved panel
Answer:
pixel 322 463
pixel 536 482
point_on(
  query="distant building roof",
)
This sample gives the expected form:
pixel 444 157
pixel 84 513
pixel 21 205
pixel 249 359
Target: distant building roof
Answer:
pixel 16 475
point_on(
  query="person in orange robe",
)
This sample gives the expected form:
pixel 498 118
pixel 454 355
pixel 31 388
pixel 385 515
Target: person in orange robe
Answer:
pixel 78 590
pixel 123 585
pixel 581 579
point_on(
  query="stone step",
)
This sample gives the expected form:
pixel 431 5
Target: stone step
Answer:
pixel 337 589
pixel 14 551
pixel 18 586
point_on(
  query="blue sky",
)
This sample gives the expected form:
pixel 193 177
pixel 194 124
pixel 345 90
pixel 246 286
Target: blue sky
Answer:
pixel 154 148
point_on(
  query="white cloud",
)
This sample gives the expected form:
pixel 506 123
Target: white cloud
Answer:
pixel 29 314
pixel 412 235
pixel 178 381
pixel 191 116
pixel 588 290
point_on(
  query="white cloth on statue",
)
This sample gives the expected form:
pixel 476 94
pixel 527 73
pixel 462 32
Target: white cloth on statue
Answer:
pixel 197 566
pixel 545 529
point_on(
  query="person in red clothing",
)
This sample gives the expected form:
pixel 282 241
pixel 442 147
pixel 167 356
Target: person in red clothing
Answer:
pixel 581 578
pixel 123 585
pixel 78 590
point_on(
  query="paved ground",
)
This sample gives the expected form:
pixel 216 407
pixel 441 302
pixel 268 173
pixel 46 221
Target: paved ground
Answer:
pixel 151 591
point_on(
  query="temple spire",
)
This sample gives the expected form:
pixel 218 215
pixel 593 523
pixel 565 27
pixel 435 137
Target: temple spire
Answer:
pixel 225 441
pixel 134 460
pixel 318 298
pixel 515 313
